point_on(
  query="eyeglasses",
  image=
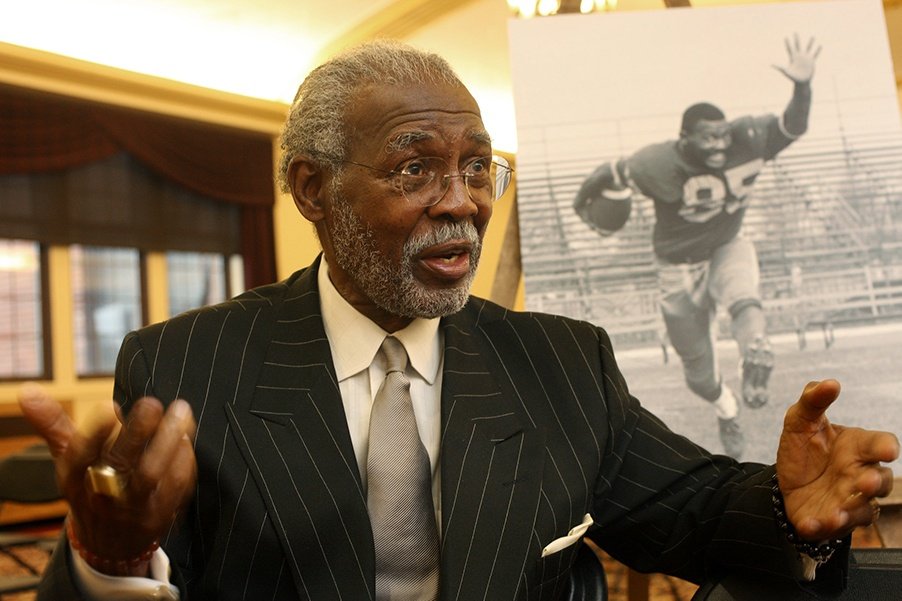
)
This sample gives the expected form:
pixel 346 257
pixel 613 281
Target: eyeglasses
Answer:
pixel 424 181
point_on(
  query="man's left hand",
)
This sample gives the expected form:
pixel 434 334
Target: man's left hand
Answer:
pixel 829 474
pixel 801 60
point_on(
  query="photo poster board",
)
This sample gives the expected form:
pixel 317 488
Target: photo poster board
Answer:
pixel 825 214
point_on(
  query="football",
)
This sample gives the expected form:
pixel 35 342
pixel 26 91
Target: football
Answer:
pixel 611 210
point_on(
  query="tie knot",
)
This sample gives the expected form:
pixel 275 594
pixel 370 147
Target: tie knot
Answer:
pixel 395 355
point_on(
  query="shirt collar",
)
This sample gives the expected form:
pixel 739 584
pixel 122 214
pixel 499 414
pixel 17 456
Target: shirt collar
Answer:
pixel 355 339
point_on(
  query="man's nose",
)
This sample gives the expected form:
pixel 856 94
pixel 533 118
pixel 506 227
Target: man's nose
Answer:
pixel 456 200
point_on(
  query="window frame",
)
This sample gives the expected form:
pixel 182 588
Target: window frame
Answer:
pixel 46 372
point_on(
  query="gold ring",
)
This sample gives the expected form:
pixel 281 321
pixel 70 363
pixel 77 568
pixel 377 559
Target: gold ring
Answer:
pixel 106 480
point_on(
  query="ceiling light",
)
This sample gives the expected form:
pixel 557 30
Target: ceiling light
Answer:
pixel 531 8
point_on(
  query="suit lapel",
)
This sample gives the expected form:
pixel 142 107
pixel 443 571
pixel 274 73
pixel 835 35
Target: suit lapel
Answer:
pixel 294 435
pixel 491 461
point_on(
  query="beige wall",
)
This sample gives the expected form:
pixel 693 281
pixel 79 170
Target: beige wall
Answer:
pixel 295 242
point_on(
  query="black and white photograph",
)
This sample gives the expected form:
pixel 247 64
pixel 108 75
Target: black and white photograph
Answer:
pixel 721 190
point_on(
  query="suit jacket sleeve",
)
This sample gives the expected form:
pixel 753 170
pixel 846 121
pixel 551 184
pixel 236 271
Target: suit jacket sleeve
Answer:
pixel 665 504
pixel 57 581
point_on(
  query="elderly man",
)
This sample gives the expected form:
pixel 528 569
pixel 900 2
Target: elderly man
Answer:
pixel 326 465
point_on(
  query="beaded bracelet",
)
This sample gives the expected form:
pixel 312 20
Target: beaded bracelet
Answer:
pixel 820 553
pixel 111 567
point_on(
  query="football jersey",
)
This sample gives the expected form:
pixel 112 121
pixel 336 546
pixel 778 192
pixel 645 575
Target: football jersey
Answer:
pixel 698 208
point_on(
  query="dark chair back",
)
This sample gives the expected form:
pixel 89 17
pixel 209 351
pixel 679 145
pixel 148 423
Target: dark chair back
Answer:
pixel 26 476
pixel 587 578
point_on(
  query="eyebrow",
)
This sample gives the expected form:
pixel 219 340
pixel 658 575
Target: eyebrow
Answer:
pixel 480 135
pixel 405 140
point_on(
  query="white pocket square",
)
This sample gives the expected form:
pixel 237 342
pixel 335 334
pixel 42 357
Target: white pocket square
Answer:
pixel 572 537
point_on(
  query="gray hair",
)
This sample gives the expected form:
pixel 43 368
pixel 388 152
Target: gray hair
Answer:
pixel 316 120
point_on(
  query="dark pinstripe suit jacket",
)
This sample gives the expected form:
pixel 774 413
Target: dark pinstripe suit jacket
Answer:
pixel 538 428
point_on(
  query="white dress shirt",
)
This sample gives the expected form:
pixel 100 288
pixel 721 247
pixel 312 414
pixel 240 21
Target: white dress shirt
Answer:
pixel 355 341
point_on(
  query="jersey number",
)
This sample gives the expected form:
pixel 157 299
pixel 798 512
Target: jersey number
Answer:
pixel 706 195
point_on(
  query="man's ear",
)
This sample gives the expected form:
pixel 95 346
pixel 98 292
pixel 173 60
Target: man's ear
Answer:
pixel 305 179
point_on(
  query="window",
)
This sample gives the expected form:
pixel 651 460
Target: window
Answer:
pixel 124 185
pixel 22 348
pixel 195 280
pixel 106 290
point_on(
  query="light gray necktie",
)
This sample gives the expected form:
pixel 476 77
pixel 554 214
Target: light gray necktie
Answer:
pixel 399 490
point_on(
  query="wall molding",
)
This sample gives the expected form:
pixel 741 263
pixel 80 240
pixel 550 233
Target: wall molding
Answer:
pixel 35 69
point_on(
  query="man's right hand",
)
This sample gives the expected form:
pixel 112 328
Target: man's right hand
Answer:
pixel 153 447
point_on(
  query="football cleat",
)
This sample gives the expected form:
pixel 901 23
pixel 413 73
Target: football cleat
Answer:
pixel 754 371
pixel 731 437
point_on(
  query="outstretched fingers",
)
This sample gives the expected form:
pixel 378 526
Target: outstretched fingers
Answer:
pixel 878 446
pixel 794 47
pixel 801 60
pixel 791 46
pixel 137 430
pixel 168 463
pixel 73 449
pixel 845 497
pixel 810 49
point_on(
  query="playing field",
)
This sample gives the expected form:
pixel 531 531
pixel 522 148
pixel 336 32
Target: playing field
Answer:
pixel 867 360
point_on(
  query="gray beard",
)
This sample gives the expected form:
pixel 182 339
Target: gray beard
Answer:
pixel 391 287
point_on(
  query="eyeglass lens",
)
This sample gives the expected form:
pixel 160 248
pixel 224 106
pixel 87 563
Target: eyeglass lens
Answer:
pixel 425 180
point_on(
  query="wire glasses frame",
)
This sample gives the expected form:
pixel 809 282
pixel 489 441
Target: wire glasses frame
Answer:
pixel 424 181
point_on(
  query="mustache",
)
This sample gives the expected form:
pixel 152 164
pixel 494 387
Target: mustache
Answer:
pixel 458 230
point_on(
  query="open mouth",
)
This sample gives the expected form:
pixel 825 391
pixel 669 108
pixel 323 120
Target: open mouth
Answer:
pixel 716 159
pixel 448 262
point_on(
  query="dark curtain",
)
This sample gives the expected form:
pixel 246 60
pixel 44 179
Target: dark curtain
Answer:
pixel 257 240
pixel 116 201
pixel 227 165
pixel 45 133
pixel 41 133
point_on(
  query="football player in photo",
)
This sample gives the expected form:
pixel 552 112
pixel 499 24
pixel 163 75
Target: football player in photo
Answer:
pixel 701 185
